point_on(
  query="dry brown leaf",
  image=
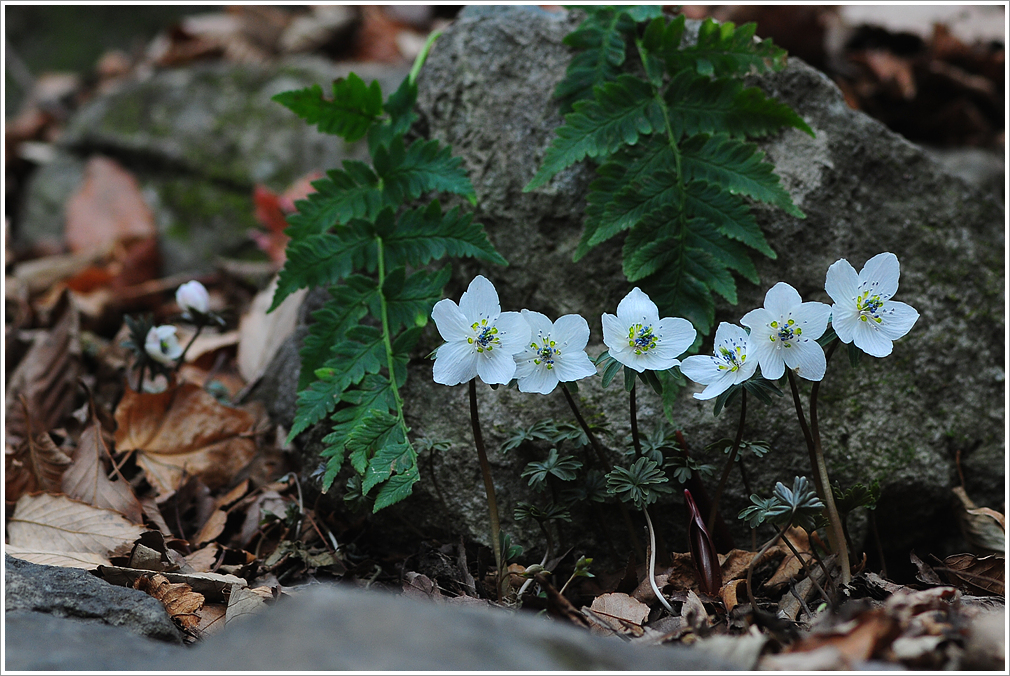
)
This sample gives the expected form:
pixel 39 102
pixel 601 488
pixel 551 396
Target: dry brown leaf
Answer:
pixel 63 559
pixel 732 592
pixel 858 640
pixel 244 602
pixel 212 528
pixel 984 576
pixel 260 335
pixel 46 376
pixel 40 274
pixel 211 619
pixel 87 479
pixel 694 613
pixel 231 496
pixel 182 432
pixel 37 464
pixel 108 207
pixel 55 523
pixel 620 606
pixel 179 599
pixel 983 529
pixel 214 587
pixel 418 586
pixel 203 560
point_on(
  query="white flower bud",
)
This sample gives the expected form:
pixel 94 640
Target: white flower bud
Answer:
pixel 193 296
pixel 162 345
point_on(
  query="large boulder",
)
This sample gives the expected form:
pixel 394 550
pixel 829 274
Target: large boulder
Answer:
pixel 487 90
pixel 198 139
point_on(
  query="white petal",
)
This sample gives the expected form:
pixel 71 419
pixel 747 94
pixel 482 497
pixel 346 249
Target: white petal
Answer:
pixel 898 319
pixel 524 364
pixel 701 369
pixel 540 381
pixel 768 356
pixel 637 308
pixel 630 359
pixel 718 386
pixel 746 370
pixel 496 367
pixel 450 322
pixel 674 335
pixel 726 333
pixel 615 335
pixel 573 365
pixel 653 360
pixel 571 332
pixel 455 363
pixel 781 298
pixel 881 271
pixel 758 317
pixel 812 317
pixel 808 356
pixel 480 301
pixel 841 282
pixel 870 339
pixel 540 325
pixel 843 320
pixel 513 331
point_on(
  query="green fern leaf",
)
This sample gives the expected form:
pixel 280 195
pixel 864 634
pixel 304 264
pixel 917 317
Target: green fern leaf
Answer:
pixel 426 233
pixel 383 463
pixel 601 37
pixel 636 200
pixel 400 108
pixel 737 166
pixel 409 300
pixel 622 111
pixel 731 254
pixel 354 108
pixel 373 430
pixel 342 196
pixel 723 49
pixel 426 166
pixel 397 488
pixel 728 213
pixel 679 292
pixel 347 305
pixel 319 260
pixel 647 248
pixel 374 393
pixel 702 265
pixel 362 352
pixel 757 115
pixel 316 402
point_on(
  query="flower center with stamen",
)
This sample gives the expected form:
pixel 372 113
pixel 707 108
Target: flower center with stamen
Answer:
pixel 486 338
pixel 731 360
pixel 785 332
pixel 546 351
pixel 869 307
pixel 641 338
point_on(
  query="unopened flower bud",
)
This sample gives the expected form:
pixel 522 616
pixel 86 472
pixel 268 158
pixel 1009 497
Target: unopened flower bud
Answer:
pixel 193 296
pixel 162 345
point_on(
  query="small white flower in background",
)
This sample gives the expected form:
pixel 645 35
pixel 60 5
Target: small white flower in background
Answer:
pixel 728 366
pixel 193 296
pixel 640 340
pixel 863 312
pixel 162 345
pixel 556 353
pixel 480 339
pixel 784 333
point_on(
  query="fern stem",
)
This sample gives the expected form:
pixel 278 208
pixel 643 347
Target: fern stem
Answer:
pixel 730 461
pixel 485 470
pixel 387 338
pixel 652 561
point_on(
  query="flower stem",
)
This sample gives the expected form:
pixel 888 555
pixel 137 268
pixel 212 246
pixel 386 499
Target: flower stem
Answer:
pixel 806 569
pixel 485 470
pixel 634 423
pixel 820 468
pixel 652 562
pixel 182 357
pixel 729 463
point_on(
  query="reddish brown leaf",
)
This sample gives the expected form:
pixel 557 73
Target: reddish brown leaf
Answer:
pixel 983 576
pixel 184 431
pixel 37 465
pixel 872 631
pixel 179 599
pixel 87 478
pixel 46 376
pixel 108 207
pixel 212 528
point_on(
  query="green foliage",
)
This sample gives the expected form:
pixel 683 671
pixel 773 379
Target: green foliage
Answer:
pixel 667 130
pixel 561 466
pixel 363 235
pixel 759 387
pixel 797 506
pixel 725 445
pixel 641 484
pixel 857 495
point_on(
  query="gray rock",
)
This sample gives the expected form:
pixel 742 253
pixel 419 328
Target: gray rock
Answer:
pixel 335 628
pixel 74 593
pixel 486 89
pixel 198 139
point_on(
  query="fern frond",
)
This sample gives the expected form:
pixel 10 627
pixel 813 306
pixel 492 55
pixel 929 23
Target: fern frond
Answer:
pixel 737 166
pixel 400 108
pixel 342 196
pixel 602 39
pixel 318 260
pixel 375 429
pixel 728 213
pixel 426 166
pixel 409 300
pixel 354 108
pixel 397 488
pixel 360 353
pixel 635 200
pixel 621 111
pixel 374 393
pixel 723 49
pixel 316 401
pixel 347 305
pixel 426 233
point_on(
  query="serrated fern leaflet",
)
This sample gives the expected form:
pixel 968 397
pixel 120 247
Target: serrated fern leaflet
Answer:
pixel 355 235
pixel 674 167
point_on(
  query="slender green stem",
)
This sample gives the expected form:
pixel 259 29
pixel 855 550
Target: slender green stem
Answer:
pixel 140 380
pixel 634 423
pixel 485 470
pixel 387 338
pixel 182 357
pixel 585 428
pixel 823 484
pixel 729 463
pixel 652 562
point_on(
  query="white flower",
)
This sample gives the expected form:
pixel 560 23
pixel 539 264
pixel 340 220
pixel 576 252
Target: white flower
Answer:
pixel 162 345
pixel 863 312
pixel 480 339
pixel 784 333
pixel 728 365
pixel 556 353
pixel 640 340
pixel 193 296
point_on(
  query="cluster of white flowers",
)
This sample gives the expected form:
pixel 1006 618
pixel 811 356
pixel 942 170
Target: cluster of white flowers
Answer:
pixel 482 341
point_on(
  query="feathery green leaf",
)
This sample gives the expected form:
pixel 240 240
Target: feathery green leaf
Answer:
pixel 354 108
